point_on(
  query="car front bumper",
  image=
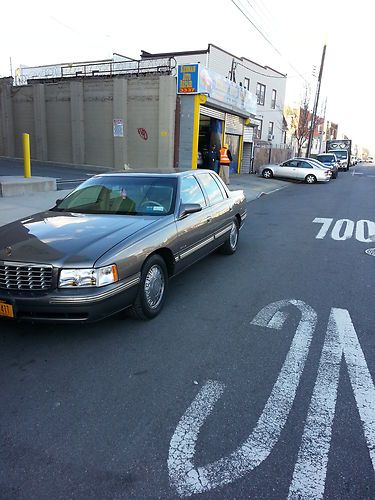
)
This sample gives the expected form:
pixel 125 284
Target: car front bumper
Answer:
pixel 71 305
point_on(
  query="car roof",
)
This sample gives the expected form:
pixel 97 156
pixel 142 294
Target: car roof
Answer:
pixel 306 159
pixel 157 172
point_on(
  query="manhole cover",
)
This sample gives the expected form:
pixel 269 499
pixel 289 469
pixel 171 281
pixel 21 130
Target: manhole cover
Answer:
pixel 370 251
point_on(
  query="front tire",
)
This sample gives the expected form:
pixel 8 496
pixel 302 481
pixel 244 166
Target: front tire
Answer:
pixel 267 173
pixel 310 179
pixel 152 289
pixel 230 246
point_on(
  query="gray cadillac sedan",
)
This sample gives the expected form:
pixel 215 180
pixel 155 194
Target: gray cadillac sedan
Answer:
pixel 113 243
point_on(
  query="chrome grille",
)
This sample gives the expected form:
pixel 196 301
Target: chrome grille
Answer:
pixel 14 276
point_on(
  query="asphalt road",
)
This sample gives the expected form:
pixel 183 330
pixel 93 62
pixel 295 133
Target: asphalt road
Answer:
pixel 66 177
pixel 212 399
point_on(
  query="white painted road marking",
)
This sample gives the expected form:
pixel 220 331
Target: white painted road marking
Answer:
pixel 188 479
pixel 309 477
pixel 325 227
pixel 344 229
pixel 310 470
pixel 348 226
pixel 360 231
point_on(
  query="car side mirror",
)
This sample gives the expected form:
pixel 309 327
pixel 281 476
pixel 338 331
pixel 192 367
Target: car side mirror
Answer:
pixel 188 208
pixel 58 201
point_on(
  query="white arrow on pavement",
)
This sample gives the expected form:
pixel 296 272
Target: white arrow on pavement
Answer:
pixel 189 479
pixel 341 340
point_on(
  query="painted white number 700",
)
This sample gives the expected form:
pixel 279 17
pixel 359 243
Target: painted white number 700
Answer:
pixel 309 475
pixel 344 229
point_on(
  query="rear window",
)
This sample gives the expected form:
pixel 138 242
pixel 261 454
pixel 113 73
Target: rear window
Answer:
pixel 325 158
pixel 342 155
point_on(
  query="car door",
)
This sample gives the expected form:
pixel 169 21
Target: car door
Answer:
pixel 221 206
pixel 287 169
pixel 195 235
pixel 303 168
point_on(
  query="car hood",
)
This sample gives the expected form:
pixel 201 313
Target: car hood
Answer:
pixel 66 238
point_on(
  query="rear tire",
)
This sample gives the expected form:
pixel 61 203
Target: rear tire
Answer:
pixel 267 173
pixel 152 289
pixel 230 246
pixel 310 179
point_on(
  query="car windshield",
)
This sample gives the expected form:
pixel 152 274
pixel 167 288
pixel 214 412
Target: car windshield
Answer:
pixel 122 195
pixel 343 155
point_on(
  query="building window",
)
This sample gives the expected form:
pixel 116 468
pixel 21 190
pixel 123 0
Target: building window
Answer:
pixel 258 133
pixel 261 93
pixel 246 83
pixel 270 131
pixel 273 99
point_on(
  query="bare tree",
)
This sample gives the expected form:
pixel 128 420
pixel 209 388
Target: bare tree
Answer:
pixel 301 132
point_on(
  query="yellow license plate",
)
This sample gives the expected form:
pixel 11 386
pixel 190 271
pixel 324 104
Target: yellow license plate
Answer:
pixel 6 310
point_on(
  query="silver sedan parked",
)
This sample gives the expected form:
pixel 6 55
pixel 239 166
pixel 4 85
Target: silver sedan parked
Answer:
pixel 299 169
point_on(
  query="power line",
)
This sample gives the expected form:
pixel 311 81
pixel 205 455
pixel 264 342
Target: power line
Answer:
pixel 267 40
pixel 258 72
pixel 266 19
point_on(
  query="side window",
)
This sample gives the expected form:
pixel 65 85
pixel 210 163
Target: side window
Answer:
pixel 304 164
pixel 212 189
pixel 286 164
pixel 88 196
pixel 191 191
pixel 221 185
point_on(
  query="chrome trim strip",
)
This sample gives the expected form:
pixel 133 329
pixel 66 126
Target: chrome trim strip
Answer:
pixel 223 231
pixel 104 295
pixel 24 264
pixel 243 216
pixel 197 247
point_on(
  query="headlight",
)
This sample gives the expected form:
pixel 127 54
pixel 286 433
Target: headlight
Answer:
pixel 88 277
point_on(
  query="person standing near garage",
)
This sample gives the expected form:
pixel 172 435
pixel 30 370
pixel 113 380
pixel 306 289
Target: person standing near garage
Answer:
pixel 225 159
pixel 213 158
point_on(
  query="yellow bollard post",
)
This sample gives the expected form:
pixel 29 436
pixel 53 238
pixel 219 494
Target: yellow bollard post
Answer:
pixel 26 155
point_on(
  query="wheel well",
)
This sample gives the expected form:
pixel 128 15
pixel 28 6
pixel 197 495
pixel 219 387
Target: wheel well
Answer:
pixel 168 258
pixel 238 217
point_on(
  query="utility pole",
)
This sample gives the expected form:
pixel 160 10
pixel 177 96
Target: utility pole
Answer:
pixel 313 118
pixel 323 131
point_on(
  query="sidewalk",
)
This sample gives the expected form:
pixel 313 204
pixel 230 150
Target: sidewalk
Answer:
pixel 17 207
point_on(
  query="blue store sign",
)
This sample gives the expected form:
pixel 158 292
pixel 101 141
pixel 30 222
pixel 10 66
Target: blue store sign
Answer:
pixel 188 81
pixel 195 79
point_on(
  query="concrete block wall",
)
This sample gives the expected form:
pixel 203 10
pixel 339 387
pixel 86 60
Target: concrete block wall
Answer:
pixel 22 105
pixel 58 123
pixel 186 128
pixel 98 122
pixel 143 122
pixel 72 121
pixel 6 117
